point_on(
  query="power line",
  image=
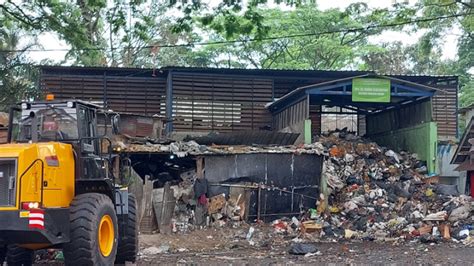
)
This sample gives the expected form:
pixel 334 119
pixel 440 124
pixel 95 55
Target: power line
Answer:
pixel 271 38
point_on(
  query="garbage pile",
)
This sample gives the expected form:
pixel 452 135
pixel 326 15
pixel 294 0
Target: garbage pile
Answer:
pixel 376 193
pixel 177 207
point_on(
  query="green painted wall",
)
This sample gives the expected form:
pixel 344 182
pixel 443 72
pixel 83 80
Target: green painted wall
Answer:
pixel 421 139
pixel 307 131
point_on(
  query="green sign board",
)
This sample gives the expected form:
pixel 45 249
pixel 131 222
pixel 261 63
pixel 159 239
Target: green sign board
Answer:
pixel 371 90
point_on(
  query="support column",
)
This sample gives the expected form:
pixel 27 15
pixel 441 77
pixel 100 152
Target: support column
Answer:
pixel 169 103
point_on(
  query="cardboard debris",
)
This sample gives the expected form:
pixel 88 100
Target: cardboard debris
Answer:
pixel 311 226
pixel 216 203
pixel 3 119
pixel 445 231
pixel 425 229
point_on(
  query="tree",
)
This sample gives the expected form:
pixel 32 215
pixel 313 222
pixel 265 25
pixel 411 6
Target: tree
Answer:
pixel 17 74
pixel 316 40
pixel 387 58
pixel 148 39
pixel 78 23
pixel 428 48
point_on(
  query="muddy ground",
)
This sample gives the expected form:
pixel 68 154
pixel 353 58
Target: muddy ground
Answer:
pixel 230 246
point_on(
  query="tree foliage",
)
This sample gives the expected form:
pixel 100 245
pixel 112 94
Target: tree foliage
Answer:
pixel 152 33
pixel 17 74
pixel 316 42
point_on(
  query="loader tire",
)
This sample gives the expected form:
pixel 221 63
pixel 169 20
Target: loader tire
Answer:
pixel 94 231
pixel 3 253
pixel 19 256
pixel 128 240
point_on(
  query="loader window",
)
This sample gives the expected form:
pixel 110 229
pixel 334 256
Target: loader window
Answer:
pixel 58 126
pixel 86 126
pixel 46 124
pixel 86 120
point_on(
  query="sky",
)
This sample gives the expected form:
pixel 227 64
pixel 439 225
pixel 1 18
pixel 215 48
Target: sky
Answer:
pixel 51 41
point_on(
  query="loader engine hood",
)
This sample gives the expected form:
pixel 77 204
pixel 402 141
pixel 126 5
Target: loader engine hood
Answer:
pixel 15 150
pixel 27 170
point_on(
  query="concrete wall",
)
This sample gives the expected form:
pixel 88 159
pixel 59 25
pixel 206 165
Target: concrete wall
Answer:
pixel 420 139
pixel 445 154
pixel 446 169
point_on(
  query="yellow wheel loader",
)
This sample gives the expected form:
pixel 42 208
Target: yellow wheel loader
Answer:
pixel 58 188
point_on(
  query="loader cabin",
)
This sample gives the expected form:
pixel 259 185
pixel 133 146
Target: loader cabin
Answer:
pixel 53 121
pixel 73 122
pixel 55 180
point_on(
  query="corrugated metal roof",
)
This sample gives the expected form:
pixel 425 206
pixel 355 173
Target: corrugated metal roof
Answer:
pixel 419 75
pixel 247 138
pixel 323 84
pixel 241 71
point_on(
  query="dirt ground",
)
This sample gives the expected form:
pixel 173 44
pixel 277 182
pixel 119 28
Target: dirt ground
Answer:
pixel 229 246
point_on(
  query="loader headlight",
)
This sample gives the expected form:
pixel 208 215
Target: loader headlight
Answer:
pixel 30 205
pixel 25 106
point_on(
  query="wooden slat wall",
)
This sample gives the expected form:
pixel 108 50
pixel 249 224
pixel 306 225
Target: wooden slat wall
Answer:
pixel 220 103
pixel 123 94
pixel 444 112
pixel 315 116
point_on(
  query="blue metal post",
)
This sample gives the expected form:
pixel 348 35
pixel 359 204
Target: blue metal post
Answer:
pixel 169 102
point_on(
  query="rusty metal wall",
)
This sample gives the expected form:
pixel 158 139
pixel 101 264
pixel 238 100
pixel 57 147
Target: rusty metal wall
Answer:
pixel 131 125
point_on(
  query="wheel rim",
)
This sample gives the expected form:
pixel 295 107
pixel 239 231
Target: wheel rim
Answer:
pixel 106 235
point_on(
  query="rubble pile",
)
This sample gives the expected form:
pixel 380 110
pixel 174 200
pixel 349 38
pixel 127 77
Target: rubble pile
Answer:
pixel 376 193
pixel 220 212
pixel 182 149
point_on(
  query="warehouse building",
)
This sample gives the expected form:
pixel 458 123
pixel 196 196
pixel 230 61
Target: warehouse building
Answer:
pixel 404 112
